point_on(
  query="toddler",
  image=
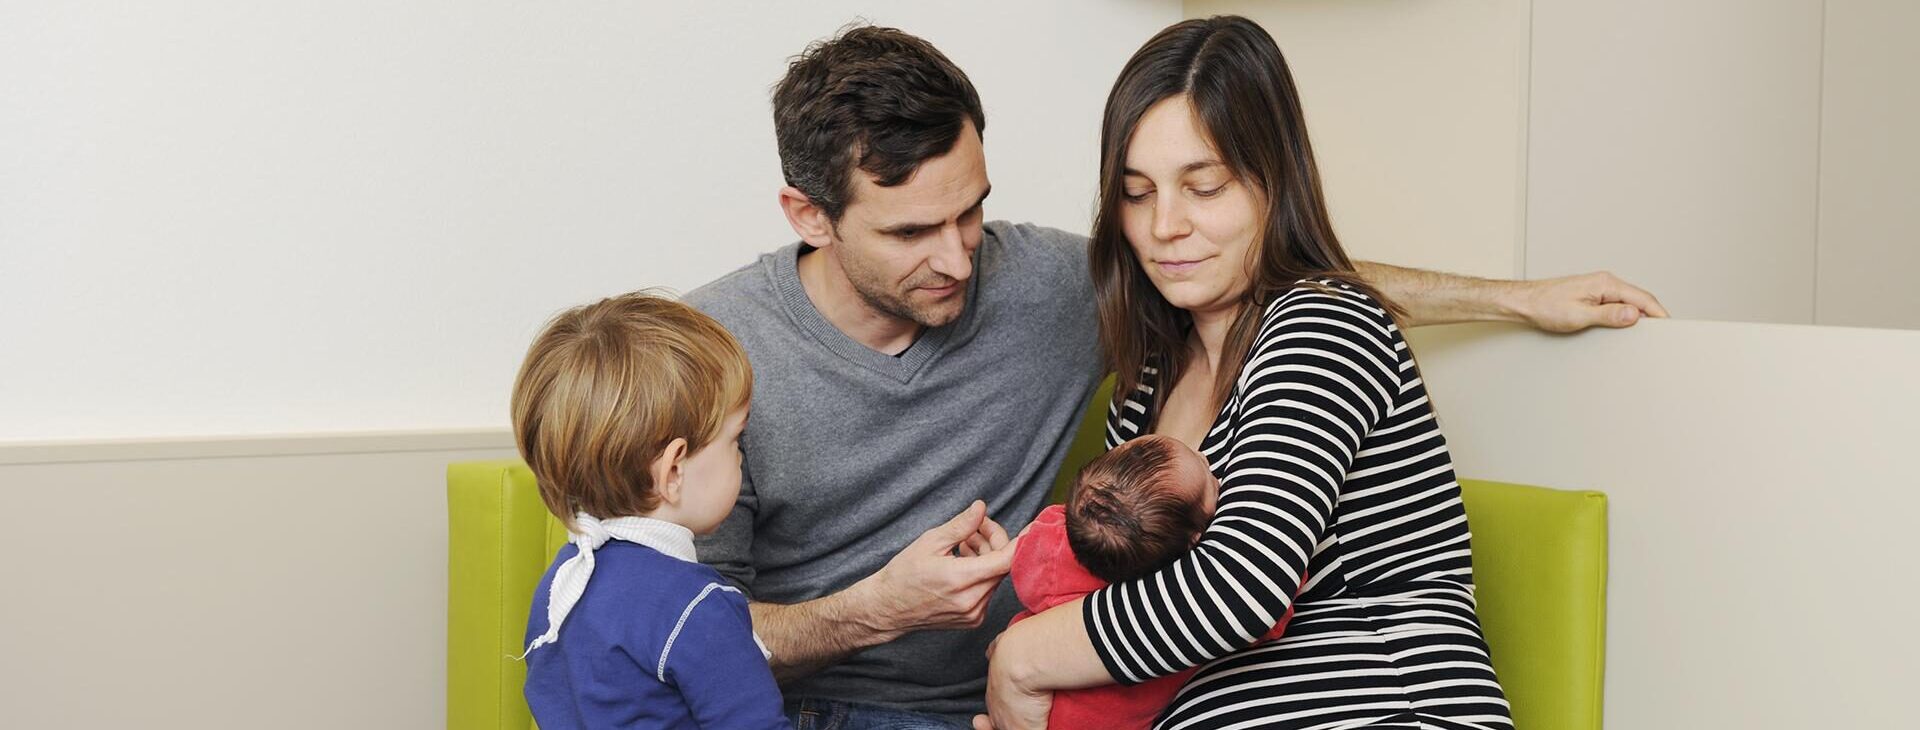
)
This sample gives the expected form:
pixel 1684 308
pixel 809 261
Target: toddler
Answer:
pixel 629 413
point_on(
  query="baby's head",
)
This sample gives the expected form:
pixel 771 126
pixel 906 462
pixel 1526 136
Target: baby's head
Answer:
pixel 1139 507
pixel 632 407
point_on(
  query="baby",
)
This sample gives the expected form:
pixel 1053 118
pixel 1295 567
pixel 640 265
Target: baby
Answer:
pixel 629 413
pixel 1133 511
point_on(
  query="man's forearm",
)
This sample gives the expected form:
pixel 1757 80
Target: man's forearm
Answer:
pixel 1431 297
pixel 807 637
pixel 924 586
pixel 1562 304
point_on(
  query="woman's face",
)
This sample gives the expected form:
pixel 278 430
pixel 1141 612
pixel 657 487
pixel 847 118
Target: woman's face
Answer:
pixel 1188 220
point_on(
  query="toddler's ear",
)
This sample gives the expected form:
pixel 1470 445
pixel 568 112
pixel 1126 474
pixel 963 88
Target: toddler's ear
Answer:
pixel 667 472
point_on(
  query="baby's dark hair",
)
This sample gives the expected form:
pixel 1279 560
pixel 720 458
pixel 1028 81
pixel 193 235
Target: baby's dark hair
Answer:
pixel 1124 519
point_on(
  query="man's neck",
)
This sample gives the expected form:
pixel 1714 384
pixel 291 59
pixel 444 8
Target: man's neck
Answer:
pixel 833 295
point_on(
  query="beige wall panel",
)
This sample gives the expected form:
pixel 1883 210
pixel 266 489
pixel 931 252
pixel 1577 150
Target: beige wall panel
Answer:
pixel 1676 143
pixel 1870 165
pixel 1762 490
pixel 288 592
pixel 1417 111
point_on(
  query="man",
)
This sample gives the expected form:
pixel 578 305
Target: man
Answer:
pixel 919 374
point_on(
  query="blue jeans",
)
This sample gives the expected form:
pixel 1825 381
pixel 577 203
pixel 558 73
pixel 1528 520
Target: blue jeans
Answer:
pixel 811 714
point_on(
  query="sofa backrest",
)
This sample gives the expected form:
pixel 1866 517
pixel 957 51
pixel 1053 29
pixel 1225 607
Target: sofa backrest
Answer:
pixel 1540 565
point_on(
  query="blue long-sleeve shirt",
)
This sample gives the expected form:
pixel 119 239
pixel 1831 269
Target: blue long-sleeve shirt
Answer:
pixel 655 642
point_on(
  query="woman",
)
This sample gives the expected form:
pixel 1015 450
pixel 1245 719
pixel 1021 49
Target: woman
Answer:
pixel 1235 323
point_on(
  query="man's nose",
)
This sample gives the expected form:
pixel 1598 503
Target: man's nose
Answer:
pixel 950 257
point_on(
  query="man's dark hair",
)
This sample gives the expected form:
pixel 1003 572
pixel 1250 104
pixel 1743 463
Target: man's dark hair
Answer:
pixel 873 99
pixel 1125 519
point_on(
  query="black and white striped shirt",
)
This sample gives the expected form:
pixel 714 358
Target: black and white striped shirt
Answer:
pixel 1331 466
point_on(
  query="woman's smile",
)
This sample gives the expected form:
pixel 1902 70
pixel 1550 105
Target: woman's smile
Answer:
pixel 1180 267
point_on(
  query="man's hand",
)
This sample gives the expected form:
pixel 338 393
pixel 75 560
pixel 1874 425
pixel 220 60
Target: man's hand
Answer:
pixel 1574 303
pixel 989 537
pixel 927 586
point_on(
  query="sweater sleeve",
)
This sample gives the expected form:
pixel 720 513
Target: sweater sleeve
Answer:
pixel 716 664
pixel 1321 374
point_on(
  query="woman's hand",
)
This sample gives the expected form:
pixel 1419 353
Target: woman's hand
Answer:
pixel 1011 706
pixel 1032 658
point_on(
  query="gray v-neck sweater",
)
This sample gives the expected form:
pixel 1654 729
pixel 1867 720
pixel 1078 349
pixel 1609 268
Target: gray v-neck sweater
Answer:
pixel 853 453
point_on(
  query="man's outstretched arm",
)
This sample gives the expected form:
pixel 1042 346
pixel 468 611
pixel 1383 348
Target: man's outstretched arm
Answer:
pixel 925 586
pixel 1566 304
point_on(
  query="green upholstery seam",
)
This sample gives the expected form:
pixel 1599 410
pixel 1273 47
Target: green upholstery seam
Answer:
pixel 1600 607
pixel 500 598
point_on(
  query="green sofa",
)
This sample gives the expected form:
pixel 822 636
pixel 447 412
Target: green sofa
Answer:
pixel 1540 564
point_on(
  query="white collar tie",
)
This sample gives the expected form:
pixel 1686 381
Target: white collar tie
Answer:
pixel 570 580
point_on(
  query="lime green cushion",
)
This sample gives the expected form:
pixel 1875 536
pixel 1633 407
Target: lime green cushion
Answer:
pixel 500 539
pixel 1540 577
pixel 1089 442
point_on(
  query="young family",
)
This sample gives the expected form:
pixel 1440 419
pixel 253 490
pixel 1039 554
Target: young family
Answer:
pixel 791 493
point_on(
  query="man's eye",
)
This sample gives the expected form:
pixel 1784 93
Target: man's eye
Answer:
pixel 909 233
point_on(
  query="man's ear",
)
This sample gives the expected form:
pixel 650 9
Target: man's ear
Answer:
pixel 667 472
pixel 808 220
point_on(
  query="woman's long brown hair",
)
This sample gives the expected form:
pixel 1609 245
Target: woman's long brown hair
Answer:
pixel 1244 98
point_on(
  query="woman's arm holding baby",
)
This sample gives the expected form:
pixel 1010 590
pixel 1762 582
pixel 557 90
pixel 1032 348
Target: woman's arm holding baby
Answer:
pixel 1307 399
pixel 1033 659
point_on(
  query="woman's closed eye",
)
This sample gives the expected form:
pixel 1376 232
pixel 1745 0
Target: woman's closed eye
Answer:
pixel 1198 192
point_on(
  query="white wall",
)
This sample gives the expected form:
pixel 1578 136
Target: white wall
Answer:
pixel 235 218
pixel 240 218
pixel 1869 150
pixel 1761 487
pixel 1744 159
pixel 1418 116
pixel 1677 143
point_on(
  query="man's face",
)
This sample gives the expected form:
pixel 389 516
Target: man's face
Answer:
pixel 908 249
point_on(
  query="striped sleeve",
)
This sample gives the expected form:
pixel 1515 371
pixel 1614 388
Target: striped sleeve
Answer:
pixel 1320 376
